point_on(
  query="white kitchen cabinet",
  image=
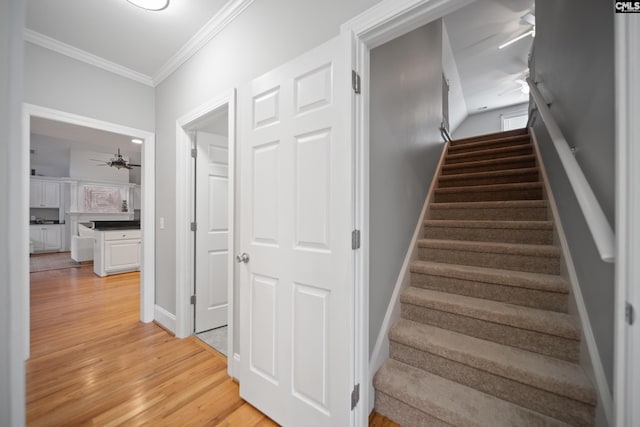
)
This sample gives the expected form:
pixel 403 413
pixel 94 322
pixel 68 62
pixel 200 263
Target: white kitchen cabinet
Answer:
pixel 117 251
pixel 46 238
pixel 44 194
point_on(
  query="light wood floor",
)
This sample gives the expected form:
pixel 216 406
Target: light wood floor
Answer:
pixel 93 363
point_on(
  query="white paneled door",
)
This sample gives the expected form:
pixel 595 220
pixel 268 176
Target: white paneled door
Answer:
pixel 212 234
pixel 297 343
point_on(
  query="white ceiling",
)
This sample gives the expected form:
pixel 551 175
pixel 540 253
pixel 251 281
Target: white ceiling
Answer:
pixel 91 139
pixel 120 32
pixel 488 74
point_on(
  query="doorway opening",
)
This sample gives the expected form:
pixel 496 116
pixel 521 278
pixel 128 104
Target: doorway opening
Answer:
pixel 205 231
pixel 69 215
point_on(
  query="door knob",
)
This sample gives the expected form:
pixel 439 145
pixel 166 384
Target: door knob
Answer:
pixel 244 257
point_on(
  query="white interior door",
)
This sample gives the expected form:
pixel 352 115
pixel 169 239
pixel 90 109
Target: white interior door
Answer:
pixel 296 304
pixel 212 234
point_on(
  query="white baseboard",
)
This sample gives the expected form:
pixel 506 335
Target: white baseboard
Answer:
pixel 233 367
pixel 381 349
pixel 605 398
pixel 166 319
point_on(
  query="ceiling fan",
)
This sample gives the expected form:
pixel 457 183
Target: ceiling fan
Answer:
pixel 530 19
pixel 117 162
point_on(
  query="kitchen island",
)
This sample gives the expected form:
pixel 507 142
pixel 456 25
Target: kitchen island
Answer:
pixel 117 247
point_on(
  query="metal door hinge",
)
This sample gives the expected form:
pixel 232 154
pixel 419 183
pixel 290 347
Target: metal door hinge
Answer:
pixel 355 81
pixel 355 396
pixel 194 152
pixel 355 239
pixel 194 226
pixel 193 300
pixel 629 313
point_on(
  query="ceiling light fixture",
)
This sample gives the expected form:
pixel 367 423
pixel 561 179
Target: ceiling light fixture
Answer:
pixel 136 141
pixel 150 4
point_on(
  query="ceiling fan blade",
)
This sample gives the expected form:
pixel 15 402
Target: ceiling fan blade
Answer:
pixel 133 164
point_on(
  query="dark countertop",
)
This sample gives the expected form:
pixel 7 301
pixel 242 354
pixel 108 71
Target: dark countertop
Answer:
pixel 116 225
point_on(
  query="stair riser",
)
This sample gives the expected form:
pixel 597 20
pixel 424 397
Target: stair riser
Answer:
pixel 445 196
pixel 404 414
pixel 528 263
pixel 550 345
pixel 498 214
pixel 488 180
pixel 486 145
pixel 480 138
pixel 560 407
pixel 480 155
pixel 512 235
pixel 467 168
pixel 510 294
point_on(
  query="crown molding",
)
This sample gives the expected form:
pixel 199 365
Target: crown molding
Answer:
pixel 84 56
pixel 216 24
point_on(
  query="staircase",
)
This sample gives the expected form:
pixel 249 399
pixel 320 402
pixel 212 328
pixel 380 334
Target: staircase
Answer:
pixel 484 337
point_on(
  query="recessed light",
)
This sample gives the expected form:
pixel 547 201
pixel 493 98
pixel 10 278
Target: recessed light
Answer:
pixel 136 141
pixel 150 4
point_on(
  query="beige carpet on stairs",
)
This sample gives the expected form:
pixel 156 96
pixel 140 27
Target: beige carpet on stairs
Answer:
pixel 484 337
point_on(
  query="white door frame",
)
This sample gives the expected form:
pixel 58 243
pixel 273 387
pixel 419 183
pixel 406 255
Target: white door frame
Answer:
pixel 381 23
pixel 184 216
pixel 147 269
pixel 627 284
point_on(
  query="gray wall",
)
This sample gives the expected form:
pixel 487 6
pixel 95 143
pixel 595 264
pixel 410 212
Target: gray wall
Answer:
pixel 57 81
pixel 485 122
pixel 264 36
pixel 12 379
pixel 405 146
pixel 573 62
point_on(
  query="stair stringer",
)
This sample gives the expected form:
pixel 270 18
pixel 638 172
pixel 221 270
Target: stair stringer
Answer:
pixel 380 351
pixel 589 356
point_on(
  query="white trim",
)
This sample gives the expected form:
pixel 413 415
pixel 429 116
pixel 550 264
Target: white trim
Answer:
pixel 382 22
pixel 234 366
pixel 627 338
pixel 147 275
pixel 184 216
pixel 164 318
pixel 84 56
pixel 602 386
pixel 381 349
pixel 599 226
pixel 216 24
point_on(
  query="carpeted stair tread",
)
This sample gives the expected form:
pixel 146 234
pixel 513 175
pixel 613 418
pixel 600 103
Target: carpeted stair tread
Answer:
pixel 492 192
pixel 490 188
pixel 482 145
pixel 531 232
pixel 490 210
pixel 537 281
pixel 448 401
pixel 489 136
pixel 516 225
pixel 546 373
pixel 515 162
pixel 548 251
pixel 489 153
pixel 532 319
pixel 482 178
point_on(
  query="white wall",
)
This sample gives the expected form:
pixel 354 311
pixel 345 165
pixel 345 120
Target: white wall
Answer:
pixel 12 282
pixel 457 104
pixel 57 81
pixel 265 35
pixel 405 146
pixel 487 121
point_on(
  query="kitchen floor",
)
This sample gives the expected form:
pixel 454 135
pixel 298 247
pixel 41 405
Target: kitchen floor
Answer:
pixel 52 261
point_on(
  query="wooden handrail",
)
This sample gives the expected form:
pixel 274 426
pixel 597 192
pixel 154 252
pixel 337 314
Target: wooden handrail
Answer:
pixel 594 215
